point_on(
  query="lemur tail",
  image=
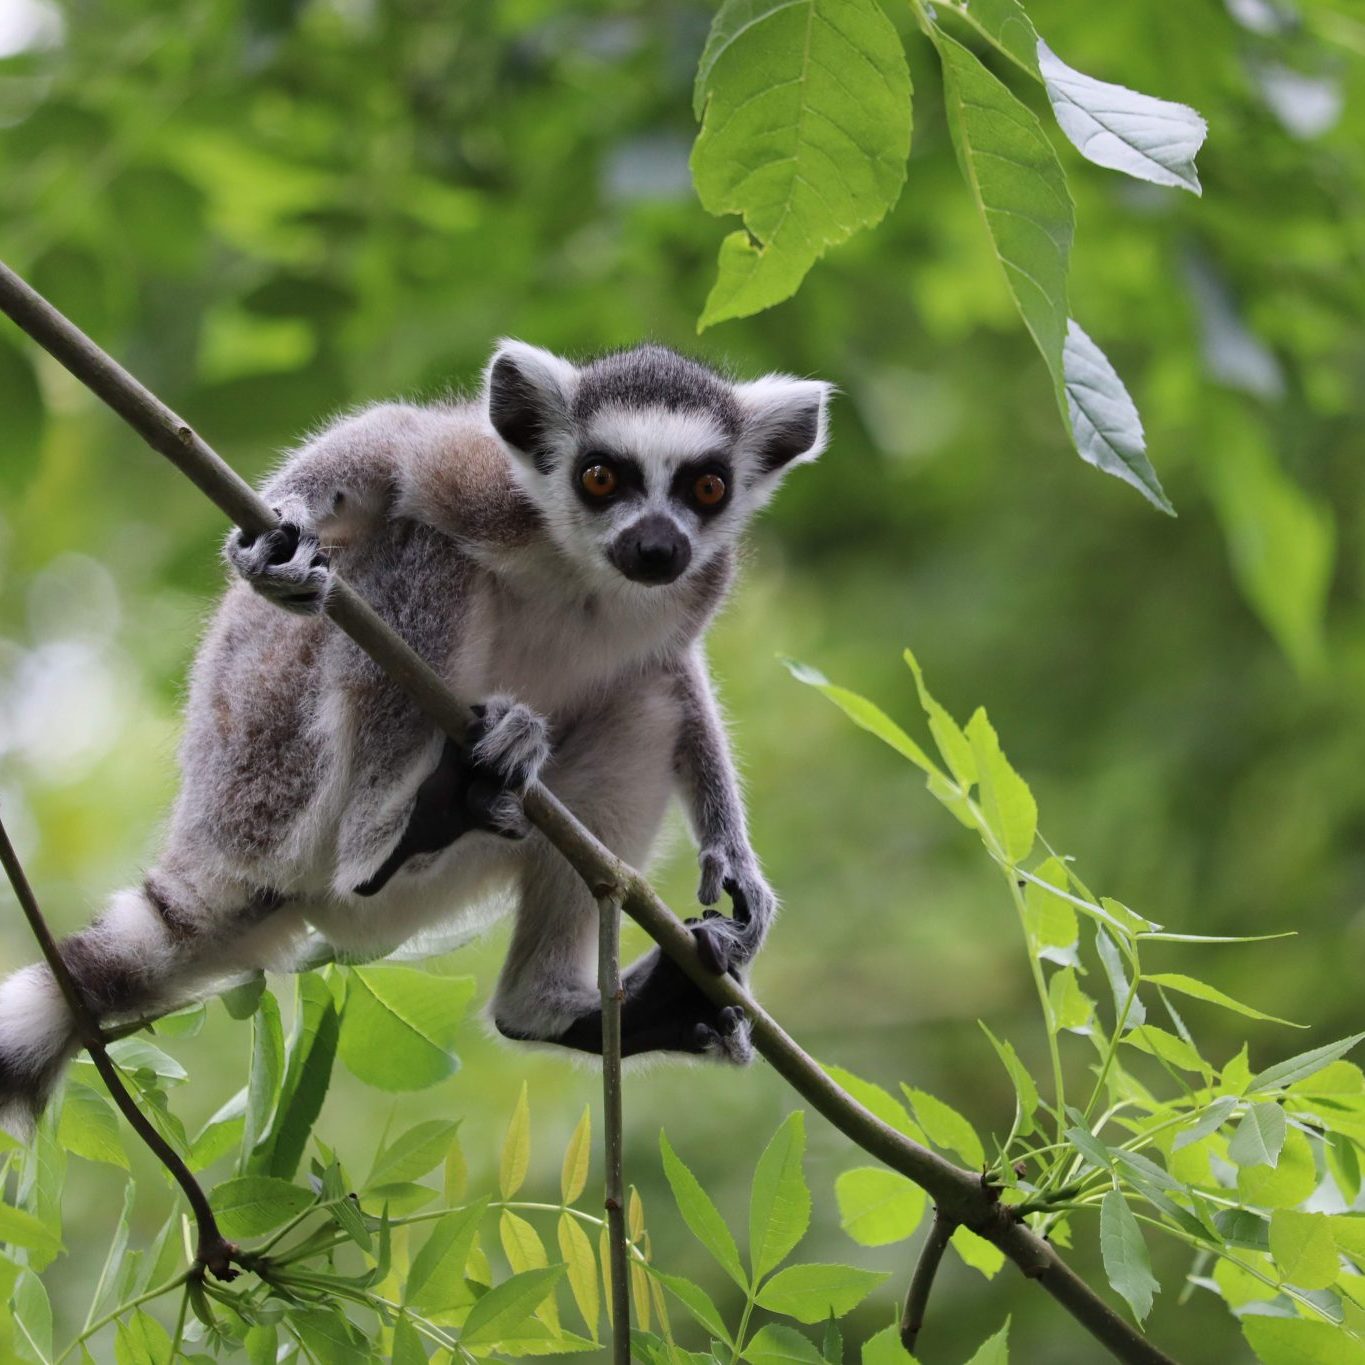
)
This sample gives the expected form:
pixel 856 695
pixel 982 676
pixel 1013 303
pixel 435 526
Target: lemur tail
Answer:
pixel 155 946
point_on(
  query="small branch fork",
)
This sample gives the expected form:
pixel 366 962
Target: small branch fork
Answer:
pixel 214 1252
pixel 921 1285
pixel 960 1194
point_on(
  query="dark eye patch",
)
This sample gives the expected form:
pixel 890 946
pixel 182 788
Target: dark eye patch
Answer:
pixel 686 476
pixel 630 478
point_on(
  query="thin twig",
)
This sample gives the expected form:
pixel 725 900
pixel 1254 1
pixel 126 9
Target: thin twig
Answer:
pixel 960 1193
pixel 609 983
pixel 214 1251
pixel 922 1282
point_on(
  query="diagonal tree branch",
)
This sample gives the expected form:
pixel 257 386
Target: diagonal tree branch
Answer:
pixel 214 1251
pixel 962 1195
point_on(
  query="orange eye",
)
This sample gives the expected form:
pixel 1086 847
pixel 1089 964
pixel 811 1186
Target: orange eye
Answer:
pixel 709 490
pixel 599 480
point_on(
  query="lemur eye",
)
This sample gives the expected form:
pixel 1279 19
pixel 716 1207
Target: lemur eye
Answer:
pixel 599 480
pixel 709 490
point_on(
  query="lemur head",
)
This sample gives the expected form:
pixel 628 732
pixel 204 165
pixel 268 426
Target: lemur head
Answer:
pixel 645 464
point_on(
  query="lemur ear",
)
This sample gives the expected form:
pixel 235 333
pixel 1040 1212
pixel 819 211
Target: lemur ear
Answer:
pixel 530 398
pixel 786 420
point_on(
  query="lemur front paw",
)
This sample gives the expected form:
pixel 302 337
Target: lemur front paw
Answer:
pixel 287 565
pixel 728 943
pixel 508 746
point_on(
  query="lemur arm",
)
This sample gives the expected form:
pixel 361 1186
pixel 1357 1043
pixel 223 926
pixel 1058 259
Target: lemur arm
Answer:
pixel 709 786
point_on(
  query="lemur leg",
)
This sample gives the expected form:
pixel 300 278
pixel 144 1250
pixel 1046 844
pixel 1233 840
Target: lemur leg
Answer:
pixel 614 772
pixel 154 947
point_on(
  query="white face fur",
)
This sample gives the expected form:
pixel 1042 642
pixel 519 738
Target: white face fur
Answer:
pixel 643 463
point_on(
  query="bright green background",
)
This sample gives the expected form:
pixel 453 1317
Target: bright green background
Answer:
pixel 270 211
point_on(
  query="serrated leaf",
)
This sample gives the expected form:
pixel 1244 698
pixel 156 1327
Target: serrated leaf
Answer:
pixel 141 1340
pixel 409 1157
pixel 779 1202
pixel 1006 802
pixel 995 1349
pixel 1159 1043
pixel 775 1344
pixel 1259 1137
pixel 1147 138
pixel 399 1025
pixel 1287 1183
pixel 1210 1121
pixel 1302 1066
pixel 701 1215
pixel 581 1267
pixel 805 109
pixel 1025 1091
pixel 574 1175
pixel 1090 1147
pixel 885 1349
pixel 250 1205
pixel 501 1312
pixel 1304 1248
pixel 436 1280
pixel 953 745
pixel 515 1157
pixel 811 1293
pixel 877 1206
pixel 1125 1255
pixel 945 1127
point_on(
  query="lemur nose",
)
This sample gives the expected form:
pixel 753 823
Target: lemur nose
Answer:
pixel 654 550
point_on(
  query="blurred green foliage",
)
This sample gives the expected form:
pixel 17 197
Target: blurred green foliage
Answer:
pixel 270 211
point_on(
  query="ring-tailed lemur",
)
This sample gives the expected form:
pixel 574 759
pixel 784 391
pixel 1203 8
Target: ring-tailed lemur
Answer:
pixel 556 549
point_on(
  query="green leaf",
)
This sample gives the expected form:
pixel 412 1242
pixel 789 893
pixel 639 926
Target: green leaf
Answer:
pixel 865 714
pixel 141 1340
pixel 877 1206
pixel 262 1344
pixel 946 1128
pixel 1290 1341
pixel 32 1312
pixel 308 1075
pixel 267 1072
pixel 779 1203
pixel 515 1157
pixel 89 1128
pixel 399 1025
pixel 250 1205
pixel 1070 1006
pixel 1286 1184
pixel 436 1281
pixel 1112 962
pixel 407 1344
pixel 805 110
pixel 1259 1137
pixel 1159 1043
pixel 994 1350
pixel 21 1229
pixel 977 1252
pixel 1147 138
pixel 778 1345
pixel 1006 802
pixel 137 1054
pixel 1026 1093
pixel 1299 1068
pixel 886 1349
pixel 1125 1255
pixel 330 1339
pixel 953 745
pixel 419 1150
pixel 1021 191
pixel 1209 1121
pixel 574 1176
pixel 1050 919
pixel 1187 985
pixel 1304 1248
pixel 697 1302
pixel 241 1000
pixel 502 1312
pixel 1090 1147
pixel 521 1243
pixel 581 1267
pixel 877 1101
pixel 1103 418
pixel 701 1215
pixel 812 1293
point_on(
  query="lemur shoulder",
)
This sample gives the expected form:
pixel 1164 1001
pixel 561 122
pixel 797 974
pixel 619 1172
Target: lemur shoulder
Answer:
pixel 555 549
